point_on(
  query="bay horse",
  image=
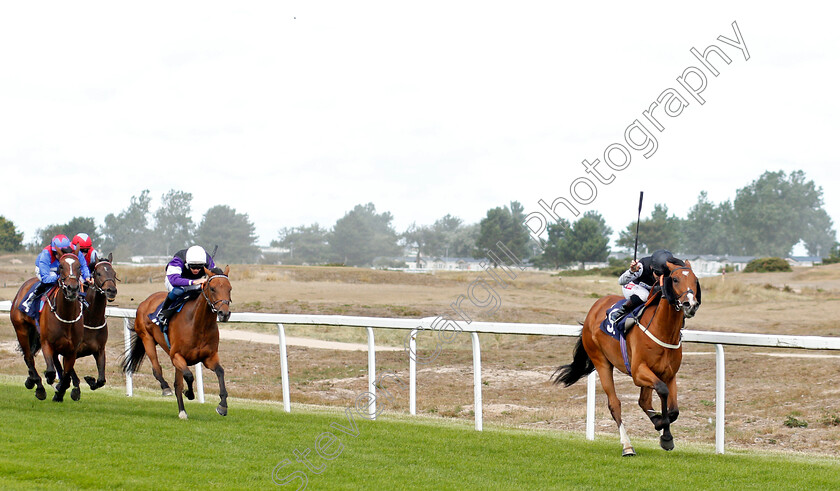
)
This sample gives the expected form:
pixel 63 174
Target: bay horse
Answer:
pixel 103 291
pixel 61 328
pixel 654 350
pixel 193 334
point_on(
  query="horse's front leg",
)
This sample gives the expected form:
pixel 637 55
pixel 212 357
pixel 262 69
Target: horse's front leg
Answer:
pixel 673 407
pixel 50 358
pixel 100 366
pixel 181 369
pixel 76 393
pixel 212 363
pixel 64 382
pixel 646 403
pixel 644 377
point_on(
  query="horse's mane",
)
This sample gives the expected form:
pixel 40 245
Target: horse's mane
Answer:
pixel 677 261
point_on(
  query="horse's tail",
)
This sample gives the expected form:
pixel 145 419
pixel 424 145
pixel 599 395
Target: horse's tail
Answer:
pixel 133 356
pixel 580 366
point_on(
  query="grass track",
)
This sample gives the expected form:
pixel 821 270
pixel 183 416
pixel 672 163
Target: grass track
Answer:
pixel 109 441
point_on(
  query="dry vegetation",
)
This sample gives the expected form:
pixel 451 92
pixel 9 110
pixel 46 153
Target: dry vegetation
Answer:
pixel 769 398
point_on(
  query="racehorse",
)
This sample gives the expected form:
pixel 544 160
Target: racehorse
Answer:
pixel 654 350
pixel 61 328
pixel 104 290
pixel 193 334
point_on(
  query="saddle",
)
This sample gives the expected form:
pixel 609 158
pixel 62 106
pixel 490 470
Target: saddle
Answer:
pixel 176 307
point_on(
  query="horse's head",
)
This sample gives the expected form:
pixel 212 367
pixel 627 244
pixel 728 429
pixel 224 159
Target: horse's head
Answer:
pixel 69 275
pixel 105 278
pixel 216 291
pixel 681 287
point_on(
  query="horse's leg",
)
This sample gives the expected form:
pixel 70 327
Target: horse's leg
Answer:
pixel 180 365
pixel 57 364
pixel 64 382
pixel 34 379
pixel 151 352
pixel 212 363
pixel 605 373
pixel 100 366
pixel 646 403
pixel 189 378
pixel 49 358
pixel 644 377
pixel 76 393
pixel 673 407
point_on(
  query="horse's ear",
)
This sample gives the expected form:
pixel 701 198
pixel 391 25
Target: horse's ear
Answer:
pixel 227 269
pixel 688 263
pixel 110 257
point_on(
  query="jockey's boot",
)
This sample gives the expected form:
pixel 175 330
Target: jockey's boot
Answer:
pixel 166 312
pixel 618 313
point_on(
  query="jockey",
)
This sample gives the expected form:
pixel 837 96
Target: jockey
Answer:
pixel 183 273
pixel 86 249
pixel 639 279
pixel 47 268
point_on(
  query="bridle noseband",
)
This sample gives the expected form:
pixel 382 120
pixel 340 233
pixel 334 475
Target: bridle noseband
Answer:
pixel 209 302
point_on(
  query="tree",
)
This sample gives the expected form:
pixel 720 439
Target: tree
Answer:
pixel 588 239
pixel 76 225
pixel 503 224
pixel 232 232
pixel 776 211
pixel 708 228
pixel 555 254
pixel 127 233
pixel 447 237
pixel 362 235
pixel 173 226
pixel 10 238
pixel 660 231
pixel 305 244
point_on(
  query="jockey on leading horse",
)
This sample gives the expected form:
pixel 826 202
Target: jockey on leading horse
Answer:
pixel 638 281
pixel 184 272
pixel 47 269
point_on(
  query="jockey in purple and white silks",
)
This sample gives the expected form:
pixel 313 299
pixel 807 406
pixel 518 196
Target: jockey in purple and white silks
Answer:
pixel 638 281
pixel 46 265
pixel 183 273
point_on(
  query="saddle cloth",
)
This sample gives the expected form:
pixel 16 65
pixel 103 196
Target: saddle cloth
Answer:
pixel 618 330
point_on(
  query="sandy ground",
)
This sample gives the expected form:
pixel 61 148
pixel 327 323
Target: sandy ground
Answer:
pixel 776 398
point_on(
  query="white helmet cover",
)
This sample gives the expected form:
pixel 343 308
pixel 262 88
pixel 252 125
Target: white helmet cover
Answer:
pixel 196 255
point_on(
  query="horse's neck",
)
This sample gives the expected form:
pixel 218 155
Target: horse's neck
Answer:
pixel 68 309
pixel 667 322
pixel 96 311
pixel 204 317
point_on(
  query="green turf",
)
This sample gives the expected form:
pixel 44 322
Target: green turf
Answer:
pixel 107 440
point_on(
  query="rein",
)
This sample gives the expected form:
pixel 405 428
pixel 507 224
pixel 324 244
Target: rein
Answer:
pixel 212 305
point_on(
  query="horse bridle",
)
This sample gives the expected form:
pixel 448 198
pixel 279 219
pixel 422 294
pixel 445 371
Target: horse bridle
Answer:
pixel 101 289
pixel 63 285
pixel 677 304
pixel 204 292
pixel 61 279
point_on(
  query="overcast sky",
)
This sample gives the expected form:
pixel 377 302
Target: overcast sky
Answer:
pixel 294 112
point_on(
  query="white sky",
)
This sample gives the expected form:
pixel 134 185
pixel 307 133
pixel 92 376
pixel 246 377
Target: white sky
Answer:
pixel 294 112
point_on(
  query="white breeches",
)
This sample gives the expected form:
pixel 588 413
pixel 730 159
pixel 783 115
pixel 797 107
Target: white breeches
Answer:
pixel 631 289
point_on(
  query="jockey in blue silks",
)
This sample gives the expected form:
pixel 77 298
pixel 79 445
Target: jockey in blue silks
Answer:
pixel 47 268
pixel 184 272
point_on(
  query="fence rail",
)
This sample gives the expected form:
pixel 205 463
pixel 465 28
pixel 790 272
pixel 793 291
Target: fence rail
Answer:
pixel 718 339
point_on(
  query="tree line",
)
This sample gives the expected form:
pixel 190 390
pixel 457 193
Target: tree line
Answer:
pixel 766 218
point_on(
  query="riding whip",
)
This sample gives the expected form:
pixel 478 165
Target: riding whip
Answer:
pixel 638 219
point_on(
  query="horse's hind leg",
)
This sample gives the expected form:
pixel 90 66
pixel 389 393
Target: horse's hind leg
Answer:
pixel 212 363
pixel 605 372
pixel 34 379
pixel 151 352
pixel 100 366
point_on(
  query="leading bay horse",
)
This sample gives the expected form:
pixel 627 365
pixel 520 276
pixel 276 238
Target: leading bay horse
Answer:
pixel 193 334
pixel 654 350
pixel 61 328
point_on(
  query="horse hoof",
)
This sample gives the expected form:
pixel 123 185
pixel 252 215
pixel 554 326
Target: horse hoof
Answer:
pixel 167 392
pixel 50 377
pixel 29 383
pixel 182 415
pixel 666 443
pixel 75 394
pixel 222 410
pixel 628 452
pixel 91 382
pixel 190 395
pixel 40 393
pixel 58 398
